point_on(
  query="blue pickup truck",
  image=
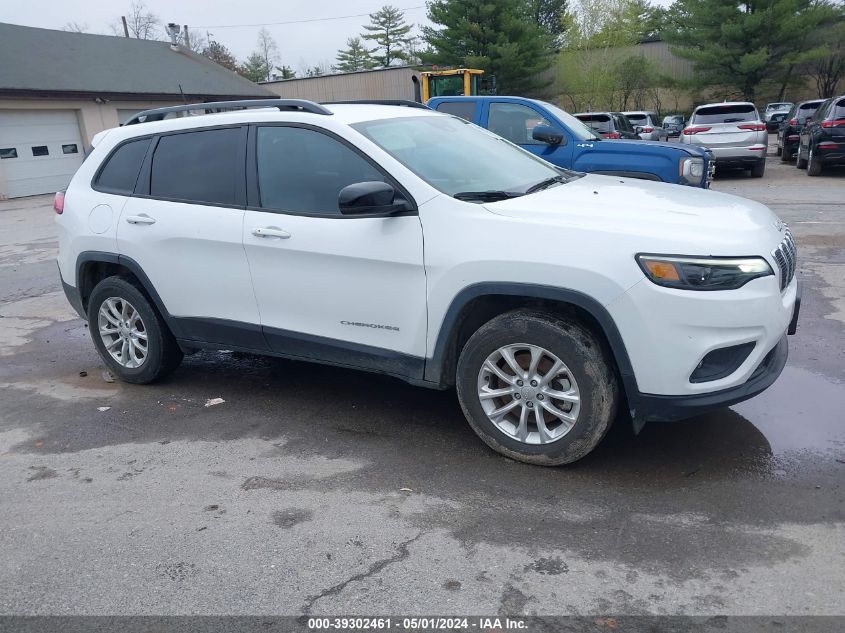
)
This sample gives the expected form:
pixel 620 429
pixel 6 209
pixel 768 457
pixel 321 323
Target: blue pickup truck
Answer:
pixel 558 137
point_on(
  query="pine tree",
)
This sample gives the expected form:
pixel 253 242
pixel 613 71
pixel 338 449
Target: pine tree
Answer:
pixel 387 29
pixel 493 35
pixel 354 57
pixel 548 15
pixel 255 68
pixel 738 45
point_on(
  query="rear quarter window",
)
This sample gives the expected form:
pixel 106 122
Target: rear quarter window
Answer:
pixel 120 170
pixel 838 110
pixel 725 114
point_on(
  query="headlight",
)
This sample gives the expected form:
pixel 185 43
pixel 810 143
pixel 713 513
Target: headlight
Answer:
pixel 703 273
pixel 691 170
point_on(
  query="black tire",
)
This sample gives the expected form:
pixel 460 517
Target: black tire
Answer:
pixel 785 156
pixel 800 163
pixel 163 352
pixel 814 165
pixel 583 354
pixel 759 169
pixel 778 150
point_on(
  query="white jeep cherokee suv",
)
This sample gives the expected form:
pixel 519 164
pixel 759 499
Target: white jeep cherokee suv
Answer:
pixel 410 243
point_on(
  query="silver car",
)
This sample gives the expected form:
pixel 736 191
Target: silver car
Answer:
pixel 646 125
pixel 733 132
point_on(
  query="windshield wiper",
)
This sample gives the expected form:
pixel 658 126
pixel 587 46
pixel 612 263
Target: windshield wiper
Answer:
pixel 545 184
pixel 485 196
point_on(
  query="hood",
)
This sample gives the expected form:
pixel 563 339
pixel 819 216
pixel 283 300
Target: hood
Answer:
pixel 649 148
pixel 709 221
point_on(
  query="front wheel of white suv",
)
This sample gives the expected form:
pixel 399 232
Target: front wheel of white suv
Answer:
pixel 129 334
pixel 537 388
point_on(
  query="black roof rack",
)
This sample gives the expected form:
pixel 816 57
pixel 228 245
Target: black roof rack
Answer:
pixel 391 102
pixel 300 105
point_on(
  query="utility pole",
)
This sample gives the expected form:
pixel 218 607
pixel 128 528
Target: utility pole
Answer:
pixel 187 38
pixel 125 26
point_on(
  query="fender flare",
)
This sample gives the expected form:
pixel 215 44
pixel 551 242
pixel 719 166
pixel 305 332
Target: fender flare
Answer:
pixel 435 367
pixel 134 267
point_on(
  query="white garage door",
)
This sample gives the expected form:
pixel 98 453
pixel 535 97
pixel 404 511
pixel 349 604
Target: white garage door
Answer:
pixel 39 150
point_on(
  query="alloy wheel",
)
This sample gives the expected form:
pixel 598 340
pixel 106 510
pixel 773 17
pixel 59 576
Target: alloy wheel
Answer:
pixel 528 393
pixel 123 332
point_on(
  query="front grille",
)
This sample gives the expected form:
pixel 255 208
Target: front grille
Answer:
pixel 711 168
pixel 786 257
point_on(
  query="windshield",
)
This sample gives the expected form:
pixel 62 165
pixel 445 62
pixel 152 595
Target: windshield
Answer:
pixel 675 118
pixel 725 114
pixel 778 106
pixel 455 156
pixel 578 129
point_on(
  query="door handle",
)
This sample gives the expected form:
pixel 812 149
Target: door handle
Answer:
pixel 143 218
pixel 271 231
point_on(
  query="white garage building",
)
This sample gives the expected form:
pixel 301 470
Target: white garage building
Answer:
pixel 58 89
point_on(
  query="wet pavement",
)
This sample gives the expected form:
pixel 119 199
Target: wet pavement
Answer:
pixel 320 490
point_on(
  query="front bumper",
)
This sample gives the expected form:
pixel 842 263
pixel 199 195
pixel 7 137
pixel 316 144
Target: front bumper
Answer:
pixel 655 408
pixel 668 333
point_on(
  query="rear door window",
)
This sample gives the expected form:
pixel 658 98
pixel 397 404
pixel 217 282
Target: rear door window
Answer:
pixel 120 171
pixel 198 166
pixel 464 109
pixel 726 114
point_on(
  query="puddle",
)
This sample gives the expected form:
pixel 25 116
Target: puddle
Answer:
pixel 801 412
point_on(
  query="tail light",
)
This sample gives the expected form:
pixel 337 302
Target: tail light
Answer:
pixel 754 127
pixel 59 202
pixel 648 129
pixel 828 146
pixel 834 123
pixel 611 135
pixel 695 130
pixel 793 121
pixel 793 137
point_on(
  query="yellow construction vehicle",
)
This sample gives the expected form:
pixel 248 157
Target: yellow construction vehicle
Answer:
pixel 450 83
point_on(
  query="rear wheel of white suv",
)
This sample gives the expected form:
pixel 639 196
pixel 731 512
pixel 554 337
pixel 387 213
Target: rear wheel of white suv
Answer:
pixel 537 388
pixel 129 334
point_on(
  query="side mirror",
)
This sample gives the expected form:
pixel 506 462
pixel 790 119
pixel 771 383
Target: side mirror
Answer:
pixel 547 134
pixel 370 198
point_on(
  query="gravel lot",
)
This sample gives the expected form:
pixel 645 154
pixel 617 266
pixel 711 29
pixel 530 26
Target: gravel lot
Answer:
pixel 314 490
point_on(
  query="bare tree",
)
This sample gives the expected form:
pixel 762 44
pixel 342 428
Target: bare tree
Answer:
pixel 193 40
pixel 76 27
pixel 268 50
pixel 141 22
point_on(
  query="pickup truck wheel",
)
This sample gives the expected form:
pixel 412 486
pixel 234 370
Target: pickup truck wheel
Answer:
pixel 537 388
pixel 129 334
pixel 759 169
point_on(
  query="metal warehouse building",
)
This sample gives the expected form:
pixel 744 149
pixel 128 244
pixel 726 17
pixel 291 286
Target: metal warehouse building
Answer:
pixel 58 89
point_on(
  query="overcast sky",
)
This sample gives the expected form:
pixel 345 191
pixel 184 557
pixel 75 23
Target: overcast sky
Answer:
pixel 304 43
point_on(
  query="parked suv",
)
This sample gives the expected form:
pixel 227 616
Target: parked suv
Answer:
pixel 647 126
pixel 774 114
pixel 393 240
pixel 790 130
pixel 609 124
pixel 822 139
pixel 673 124
pixel 733 132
